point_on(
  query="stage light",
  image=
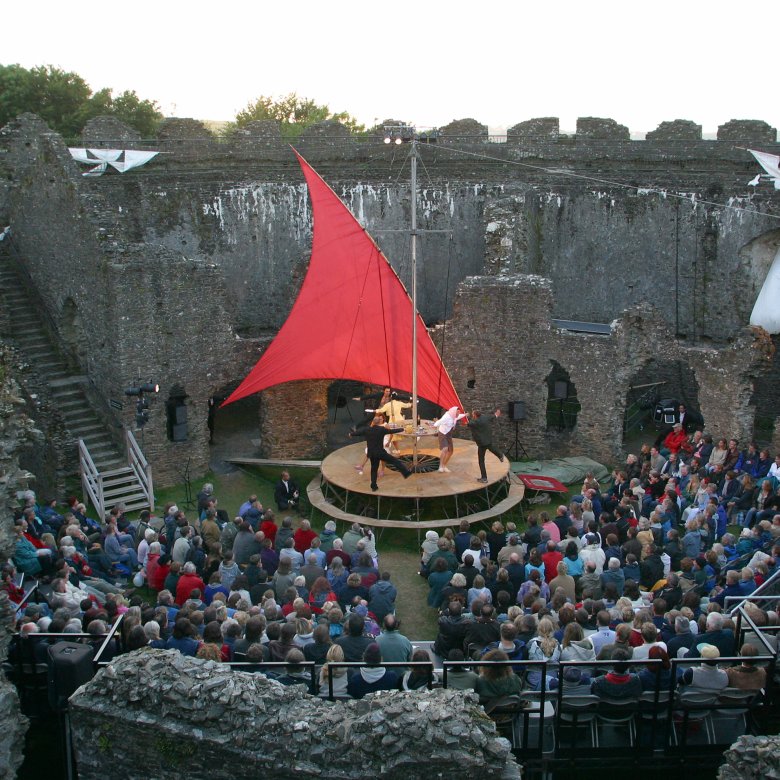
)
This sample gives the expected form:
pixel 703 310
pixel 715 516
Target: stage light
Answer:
pixel 150 387
pixel 399 141
pixel 388 140
pixel 133 391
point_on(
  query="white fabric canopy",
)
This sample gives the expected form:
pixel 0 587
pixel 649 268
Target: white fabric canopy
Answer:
pixel 766 311
pixel 120 159
pixel 770 163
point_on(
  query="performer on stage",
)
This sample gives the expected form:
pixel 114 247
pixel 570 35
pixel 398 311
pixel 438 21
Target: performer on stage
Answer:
pixel 376 452
pixel 482 433
pixel 444 426
pixel 393 412
pixel 374 400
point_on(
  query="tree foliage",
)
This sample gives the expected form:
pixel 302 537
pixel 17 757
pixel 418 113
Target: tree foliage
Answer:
pixel 294 114
pixel 66 102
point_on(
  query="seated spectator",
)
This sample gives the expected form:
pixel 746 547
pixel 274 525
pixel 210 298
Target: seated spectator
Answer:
pixel 657 674
pixel 650 639
pixel 354 642
pixel 294 673
pixel 354 589
pixel 373 676
pixel 332 677
pixel 496 681
pixel 183 638
pixel 706 678
pixel 575 645
pixel 715 634
pixel 419 677
pixel 748 676
pixel 682 640
pixel 622 642
pixel 619 683
pixel 459 677
pixel 543 647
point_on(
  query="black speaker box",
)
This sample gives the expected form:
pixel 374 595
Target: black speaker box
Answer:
pixel 516 410
pixel 70 666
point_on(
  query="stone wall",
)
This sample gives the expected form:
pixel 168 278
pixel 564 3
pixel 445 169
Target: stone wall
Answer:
pixel 139 311
pixel 752 758
pixel 194 719
pixel 511 361
pixel 17 436
pixel 162 267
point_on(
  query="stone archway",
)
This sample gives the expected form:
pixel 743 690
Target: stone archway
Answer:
pixel 234 430
pixel 73 335
pixel 562 403
pixel 655 381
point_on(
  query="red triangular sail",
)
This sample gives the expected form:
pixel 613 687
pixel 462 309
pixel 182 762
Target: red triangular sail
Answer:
pixel 352 318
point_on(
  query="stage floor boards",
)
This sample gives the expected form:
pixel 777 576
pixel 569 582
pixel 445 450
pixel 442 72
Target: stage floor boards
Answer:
pixel 338 468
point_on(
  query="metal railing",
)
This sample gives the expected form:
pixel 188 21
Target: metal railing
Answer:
pixel 91 480
pixel 140 467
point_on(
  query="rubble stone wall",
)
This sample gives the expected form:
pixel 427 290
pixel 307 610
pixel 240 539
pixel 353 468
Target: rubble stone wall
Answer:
pixel 196 719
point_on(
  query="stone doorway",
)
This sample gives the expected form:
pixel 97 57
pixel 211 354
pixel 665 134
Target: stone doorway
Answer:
pixel 657 380
pixel 234 430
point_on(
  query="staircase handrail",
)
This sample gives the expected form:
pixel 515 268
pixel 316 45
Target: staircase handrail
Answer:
pixel 91 479
pixel 140 467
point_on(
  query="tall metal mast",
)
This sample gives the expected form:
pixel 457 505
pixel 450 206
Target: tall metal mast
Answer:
pixel 414 300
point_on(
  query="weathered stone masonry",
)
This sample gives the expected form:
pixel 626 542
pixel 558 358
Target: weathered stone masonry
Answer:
pixel 182 271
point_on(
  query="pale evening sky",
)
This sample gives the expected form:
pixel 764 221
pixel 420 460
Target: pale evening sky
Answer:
pixel 426 63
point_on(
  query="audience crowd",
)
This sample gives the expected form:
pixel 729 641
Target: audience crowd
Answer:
pixel 636 570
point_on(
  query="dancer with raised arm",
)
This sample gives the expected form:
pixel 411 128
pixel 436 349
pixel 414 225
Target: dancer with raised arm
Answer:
pixel 445 425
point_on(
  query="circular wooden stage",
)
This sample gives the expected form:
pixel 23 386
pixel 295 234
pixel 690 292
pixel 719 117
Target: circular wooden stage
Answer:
pixel 424 500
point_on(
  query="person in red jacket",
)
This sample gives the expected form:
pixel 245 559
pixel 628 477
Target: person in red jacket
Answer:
pixel 188 581
pixel 269 527
pixel 157 569
pixel 551 559
pixel 303 536
pixel 677 440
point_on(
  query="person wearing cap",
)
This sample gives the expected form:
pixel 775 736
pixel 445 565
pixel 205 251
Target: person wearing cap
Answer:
pixel 706 678
pixel 373 676
pixel 575 681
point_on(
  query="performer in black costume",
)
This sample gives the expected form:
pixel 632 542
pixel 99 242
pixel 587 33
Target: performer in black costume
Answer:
pixel 482 432
pixel 375 436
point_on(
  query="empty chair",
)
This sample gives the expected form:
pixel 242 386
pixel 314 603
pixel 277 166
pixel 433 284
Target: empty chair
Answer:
pixel 617 713
pixel 577 711
pixel 694 707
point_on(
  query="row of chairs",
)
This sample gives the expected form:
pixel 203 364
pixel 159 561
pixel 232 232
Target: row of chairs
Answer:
pixel 619 723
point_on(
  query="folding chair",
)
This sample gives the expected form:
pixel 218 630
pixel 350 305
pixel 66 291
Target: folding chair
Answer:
pixel 579 710
pixel 616 713
pixel 504 712
pixel 738 706
pixel 695 708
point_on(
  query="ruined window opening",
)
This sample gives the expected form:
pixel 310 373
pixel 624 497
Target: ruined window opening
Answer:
pixel 176 414
pixel 562 404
